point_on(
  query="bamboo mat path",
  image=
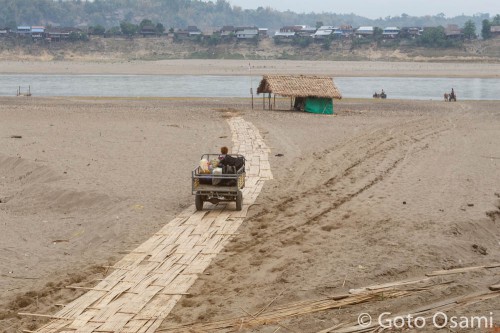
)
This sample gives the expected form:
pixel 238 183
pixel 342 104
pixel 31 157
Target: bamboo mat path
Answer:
pixel 146 284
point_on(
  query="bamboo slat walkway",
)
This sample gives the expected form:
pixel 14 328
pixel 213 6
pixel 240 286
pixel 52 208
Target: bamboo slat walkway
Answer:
pixel 147 283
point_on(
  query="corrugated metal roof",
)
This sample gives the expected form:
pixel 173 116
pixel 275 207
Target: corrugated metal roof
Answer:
pixel 299 86
pixel 323 33
pixel 248 32
pixel 284 34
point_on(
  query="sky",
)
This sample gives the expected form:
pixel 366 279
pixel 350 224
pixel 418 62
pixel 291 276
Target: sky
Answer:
pixel 378 8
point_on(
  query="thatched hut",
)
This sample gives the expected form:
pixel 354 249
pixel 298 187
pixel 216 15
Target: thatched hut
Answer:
pixel 310 93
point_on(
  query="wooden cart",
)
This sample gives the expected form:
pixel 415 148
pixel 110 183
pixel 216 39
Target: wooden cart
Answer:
pixel 218 188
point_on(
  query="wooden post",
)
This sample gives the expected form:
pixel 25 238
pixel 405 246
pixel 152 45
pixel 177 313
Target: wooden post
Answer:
pixel 269 101
pixel 251 93
pixel 274 102
pixel 291 103
pixel 263 101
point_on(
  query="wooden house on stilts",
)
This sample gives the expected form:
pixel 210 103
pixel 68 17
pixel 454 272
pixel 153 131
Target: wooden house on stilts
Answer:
pixel 309 93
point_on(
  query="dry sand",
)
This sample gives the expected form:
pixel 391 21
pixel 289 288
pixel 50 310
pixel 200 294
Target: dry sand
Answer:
pixel 257 67
pixel 383 191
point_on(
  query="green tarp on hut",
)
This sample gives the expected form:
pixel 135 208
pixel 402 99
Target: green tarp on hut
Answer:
pixel 319 105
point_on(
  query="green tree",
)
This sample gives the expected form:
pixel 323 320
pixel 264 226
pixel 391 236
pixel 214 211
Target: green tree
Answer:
pixel 114 31
pixel 319 24
pixel 377 33
pixel 470 30
pixel 486 29
pixel 75 36
pixel 302 42
pixel 433 37
pixel 11 25
pixel 97 30
pixel 160 29
pixel 213 40
pixel 128 28
pixel 326 44
pixel 496 20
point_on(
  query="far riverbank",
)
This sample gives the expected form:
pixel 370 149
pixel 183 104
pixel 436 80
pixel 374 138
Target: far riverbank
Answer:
pixel 257 67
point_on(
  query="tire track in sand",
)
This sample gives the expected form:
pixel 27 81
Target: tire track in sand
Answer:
pixel 350 169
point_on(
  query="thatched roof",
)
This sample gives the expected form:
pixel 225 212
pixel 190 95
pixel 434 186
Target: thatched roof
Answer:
pixel 299 86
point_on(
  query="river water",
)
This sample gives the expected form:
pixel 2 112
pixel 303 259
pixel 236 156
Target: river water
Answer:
pixel 238 86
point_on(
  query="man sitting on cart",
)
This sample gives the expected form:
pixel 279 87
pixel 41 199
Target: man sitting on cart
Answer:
pixel 230 164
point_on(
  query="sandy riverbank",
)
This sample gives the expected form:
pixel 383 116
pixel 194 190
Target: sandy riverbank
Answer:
pixel 383 191
pixel 257 67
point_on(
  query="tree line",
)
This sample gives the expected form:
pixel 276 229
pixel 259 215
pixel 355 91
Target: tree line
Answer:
pixel 181 13
pixel 487 24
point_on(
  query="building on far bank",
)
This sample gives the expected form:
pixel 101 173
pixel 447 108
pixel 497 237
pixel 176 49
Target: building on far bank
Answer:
pixel 453 31
pixel 247 33
pixel 304 30
pixel 495 30
pixel 391 32
pixel 148 31
pixel 285 33
pixel 364 32
pixel 263 32
pixel 37 32
pixel 411 32
pixel 23 31
pixel 344 31
pixel 324 32
pixel 4 32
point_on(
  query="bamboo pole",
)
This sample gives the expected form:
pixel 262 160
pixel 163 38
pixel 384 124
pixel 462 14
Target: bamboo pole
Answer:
pixel 42 315
pixel 461 270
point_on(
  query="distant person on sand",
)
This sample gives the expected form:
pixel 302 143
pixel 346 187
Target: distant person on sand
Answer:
pixel 452 97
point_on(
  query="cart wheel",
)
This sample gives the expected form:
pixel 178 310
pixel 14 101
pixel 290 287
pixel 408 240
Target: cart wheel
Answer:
pixel 239 200
pixel 198 202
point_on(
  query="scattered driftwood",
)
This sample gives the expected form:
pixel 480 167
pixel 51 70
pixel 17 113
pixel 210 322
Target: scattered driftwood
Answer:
pixel 19 277
pixel 388 285
pixel 61 241
pixel 425 312
pixel 272 317
pixel 16 136
pixel 495 287
pixel 372 293
pixel 461 270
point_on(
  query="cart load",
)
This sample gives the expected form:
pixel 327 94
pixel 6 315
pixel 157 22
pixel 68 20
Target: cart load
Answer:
pixel 219 178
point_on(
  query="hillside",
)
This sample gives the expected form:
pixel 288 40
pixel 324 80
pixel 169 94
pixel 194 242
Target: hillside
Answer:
pixel 205 14
pixel 120 49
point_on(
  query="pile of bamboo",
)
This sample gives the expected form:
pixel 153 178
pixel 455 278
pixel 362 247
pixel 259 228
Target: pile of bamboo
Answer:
pixel 372 293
